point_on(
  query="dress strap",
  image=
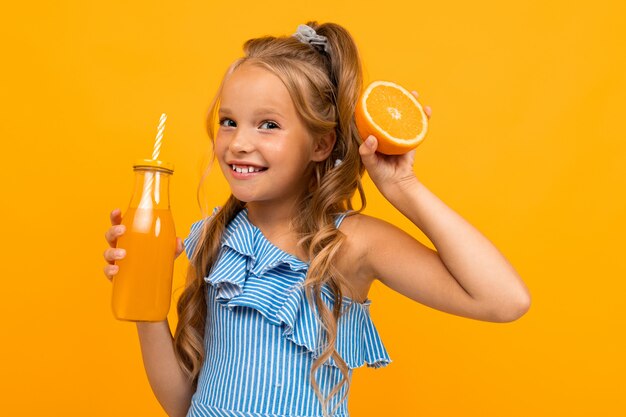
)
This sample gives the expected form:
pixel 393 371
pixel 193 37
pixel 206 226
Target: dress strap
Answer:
pixel 339 218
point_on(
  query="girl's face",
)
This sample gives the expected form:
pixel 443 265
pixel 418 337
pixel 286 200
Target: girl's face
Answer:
pixel 264 150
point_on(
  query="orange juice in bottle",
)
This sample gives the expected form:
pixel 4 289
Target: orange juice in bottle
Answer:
pixel 142 288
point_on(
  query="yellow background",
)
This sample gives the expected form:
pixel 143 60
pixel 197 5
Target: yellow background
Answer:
pixel 526 142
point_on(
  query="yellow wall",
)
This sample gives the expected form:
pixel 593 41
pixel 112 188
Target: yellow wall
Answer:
pixel 526 142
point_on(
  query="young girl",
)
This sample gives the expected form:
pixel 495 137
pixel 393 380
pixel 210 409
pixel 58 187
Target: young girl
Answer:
pixel 274 316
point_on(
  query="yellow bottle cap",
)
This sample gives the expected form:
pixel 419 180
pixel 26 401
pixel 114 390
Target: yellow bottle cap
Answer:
pixel 154 163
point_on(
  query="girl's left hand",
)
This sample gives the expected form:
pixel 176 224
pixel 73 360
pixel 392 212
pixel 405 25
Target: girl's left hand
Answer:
pixel 389 171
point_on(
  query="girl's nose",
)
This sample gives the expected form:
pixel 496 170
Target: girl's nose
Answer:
pixel 241 142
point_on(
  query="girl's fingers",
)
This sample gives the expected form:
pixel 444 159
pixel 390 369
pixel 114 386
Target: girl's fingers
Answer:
pixel 110 271
pixel 113 254
pixel 367 150
pixel 116 216
pixel 179 247
pixel 117 229
pixel 113 233
pixel 427 109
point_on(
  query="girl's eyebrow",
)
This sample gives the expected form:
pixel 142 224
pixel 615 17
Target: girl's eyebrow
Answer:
pixel 263 110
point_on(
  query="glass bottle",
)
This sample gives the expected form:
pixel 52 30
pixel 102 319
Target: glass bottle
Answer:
pixel 142 288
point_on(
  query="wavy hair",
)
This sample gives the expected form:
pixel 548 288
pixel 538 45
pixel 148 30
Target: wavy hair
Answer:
pixel 324 88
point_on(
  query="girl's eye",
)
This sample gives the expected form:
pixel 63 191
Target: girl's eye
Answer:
pixel 270 124
pixel 224 120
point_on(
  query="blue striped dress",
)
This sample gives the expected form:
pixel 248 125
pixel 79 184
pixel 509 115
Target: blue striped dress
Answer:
pixel 261 334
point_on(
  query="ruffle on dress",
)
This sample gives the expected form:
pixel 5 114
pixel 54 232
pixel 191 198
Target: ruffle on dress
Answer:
pixel 252 272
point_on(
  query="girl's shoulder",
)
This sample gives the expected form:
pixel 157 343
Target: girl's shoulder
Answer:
pixel 363 227
pixel 363 234
pixel 367 237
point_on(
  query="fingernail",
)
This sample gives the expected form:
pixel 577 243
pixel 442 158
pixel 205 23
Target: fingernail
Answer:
pixel 370 141
pixel 121 229
pixel 120 253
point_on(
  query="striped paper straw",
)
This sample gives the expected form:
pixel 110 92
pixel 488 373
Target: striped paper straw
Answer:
pixel 146 198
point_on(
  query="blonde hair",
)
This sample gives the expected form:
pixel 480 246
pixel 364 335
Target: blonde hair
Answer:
pixel 324 89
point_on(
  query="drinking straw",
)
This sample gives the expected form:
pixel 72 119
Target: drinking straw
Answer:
pixel 146 200
pixel 159 137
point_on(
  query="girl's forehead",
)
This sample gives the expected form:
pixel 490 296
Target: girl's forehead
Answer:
pixel 251 79
pixel 253 88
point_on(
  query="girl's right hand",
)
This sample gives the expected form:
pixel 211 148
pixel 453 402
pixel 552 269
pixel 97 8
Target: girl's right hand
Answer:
pixel 113 253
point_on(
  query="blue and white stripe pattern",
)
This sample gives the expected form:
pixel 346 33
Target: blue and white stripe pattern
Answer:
pixel 261 335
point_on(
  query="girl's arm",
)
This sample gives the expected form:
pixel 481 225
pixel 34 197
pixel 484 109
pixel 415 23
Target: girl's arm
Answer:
pixel 172 389
pixel 169 384
pixel 467 275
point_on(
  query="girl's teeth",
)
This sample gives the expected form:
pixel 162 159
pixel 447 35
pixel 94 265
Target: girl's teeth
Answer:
pixel 245 170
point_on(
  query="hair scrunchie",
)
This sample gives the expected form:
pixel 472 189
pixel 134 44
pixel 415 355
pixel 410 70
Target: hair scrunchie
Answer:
pixel 306 34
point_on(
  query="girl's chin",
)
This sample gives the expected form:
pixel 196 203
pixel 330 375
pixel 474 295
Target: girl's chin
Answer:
pixel 244 197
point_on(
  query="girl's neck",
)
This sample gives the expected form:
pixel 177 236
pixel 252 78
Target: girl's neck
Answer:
pixel 275 224
pixel 270 218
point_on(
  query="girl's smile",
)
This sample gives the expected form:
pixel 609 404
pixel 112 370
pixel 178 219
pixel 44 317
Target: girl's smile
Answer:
pixel 243 170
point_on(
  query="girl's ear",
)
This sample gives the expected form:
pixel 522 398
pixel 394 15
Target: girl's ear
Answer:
pixel 324 146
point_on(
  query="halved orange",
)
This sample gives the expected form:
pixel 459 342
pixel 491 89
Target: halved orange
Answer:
pixel 393 115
